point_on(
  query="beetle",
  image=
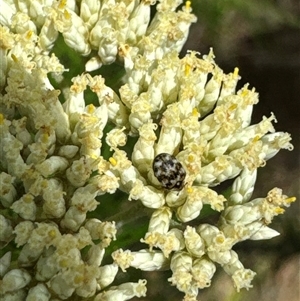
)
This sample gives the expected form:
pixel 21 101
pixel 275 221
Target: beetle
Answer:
pixel 169 171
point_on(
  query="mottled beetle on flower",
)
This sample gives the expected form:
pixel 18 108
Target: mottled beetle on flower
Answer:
pixel 169 171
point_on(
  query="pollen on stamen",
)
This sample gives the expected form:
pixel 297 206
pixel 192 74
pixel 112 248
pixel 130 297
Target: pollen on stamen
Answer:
pixel 291 199
pixel 112 161
pixel 90 109
pixel 191 158
pixel 279 210
pixel 93 156
pixel 187 69
pixel 233 107
pixel 29 34
pixel 255 139
pixel 188 5
pixel 15 59
pixel 62 4
pixel 236 72
pixel 67 14
pixel 189 189
pixel 52 233
pixel 220 239
pixel 245 92
pixel 195 112
pixel 63 263
pixel 78 279
pixel 28 198
pixel 45 137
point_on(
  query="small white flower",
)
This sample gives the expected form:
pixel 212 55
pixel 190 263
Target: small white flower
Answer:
pixel 47 265
pixel 52 165
pixel 148 195
pixel 7 190
pixel 54 202
pixel 218 246
pixel 6 229
pixel 5 263
pixel 38 292
pixel 160 220
pixel 15 279
pixel 101 230
pixel 124 292
pixel 73 218
pixel 68 151
pixel 167 243
pixel 242 277
pixel 122 258
pixel 193 242
pixel 62 285
pixel 181 265
pixel 89 12
pixel 95 255
pixel 243 187
pixel 29 255
pixel 148 260
pixel 116 138
pixel 23 232
pixel 16 295
pixel 203 271
pixel 143 152
pixel 107 274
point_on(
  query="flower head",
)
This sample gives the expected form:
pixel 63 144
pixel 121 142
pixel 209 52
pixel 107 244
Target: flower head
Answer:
pixel 65 149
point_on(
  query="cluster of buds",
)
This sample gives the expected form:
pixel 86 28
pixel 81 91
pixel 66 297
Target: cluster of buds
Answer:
pixel 54 173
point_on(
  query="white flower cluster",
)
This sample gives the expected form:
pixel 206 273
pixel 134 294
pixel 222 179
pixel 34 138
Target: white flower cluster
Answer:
pixel 109 28
pixel 53 172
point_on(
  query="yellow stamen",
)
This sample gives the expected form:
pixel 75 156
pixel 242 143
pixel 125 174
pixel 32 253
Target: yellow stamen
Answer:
pixel 93 156
pixel 255 139
pixel 44 184
pixel 112 161
pixel 187 69
pixel 233 107
pixel 279 210
pixel 52 233
pixel 188 5
pixel 220 239
pixel 191 158
pixel 291 199
pixel 45 138
pixel 91 109
pixel 236 72
pixel 67 14
pixel 245 92
pixel 29 34
pixel 62 4
pixel 15 59
pixel 78 279
pixel 63 263
pixel 190 189
pixel 27 198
